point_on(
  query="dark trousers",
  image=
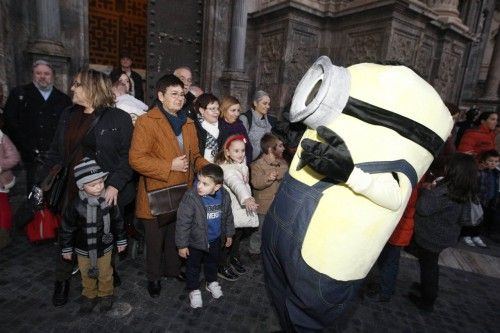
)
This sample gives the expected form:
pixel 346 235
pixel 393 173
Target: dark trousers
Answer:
pixel 305 300
pixel 471 231
pixel 30 168
pixel 388 264
pixel 429 272
pixel 234 250
pixel 209 260
pixel 161 253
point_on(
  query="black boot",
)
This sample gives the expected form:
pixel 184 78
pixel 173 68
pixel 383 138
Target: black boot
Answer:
pixel 61 291
pixel 154 288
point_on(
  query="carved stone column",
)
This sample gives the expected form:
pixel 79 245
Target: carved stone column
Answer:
pixel 447 11
pixel 47 45
pixel 234 81
pixel 493 80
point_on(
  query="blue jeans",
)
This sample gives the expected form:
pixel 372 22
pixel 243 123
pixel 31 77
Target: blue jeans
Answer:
pixel 388 264
pixel 305 300
pixel 209 260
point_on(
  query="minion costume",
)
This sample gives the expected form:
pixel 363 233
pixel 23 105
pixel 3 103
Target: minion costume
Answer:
pixel 373 131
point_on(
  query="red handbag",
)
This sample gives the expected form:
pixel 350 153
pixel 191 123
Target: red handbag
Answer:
pixel 43 225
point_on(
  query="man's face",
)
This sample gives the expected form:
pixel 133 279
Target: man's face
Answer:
pixel 126 62
pixel 43 77
pixel 186 77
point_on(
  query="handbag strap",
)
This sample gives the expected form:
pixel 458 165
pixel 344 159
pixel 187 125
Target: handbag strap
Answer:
pixel 91 127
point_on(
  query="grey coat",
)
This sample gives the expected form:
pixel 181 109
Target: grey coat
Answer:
pixel 191 226
pixel 438 219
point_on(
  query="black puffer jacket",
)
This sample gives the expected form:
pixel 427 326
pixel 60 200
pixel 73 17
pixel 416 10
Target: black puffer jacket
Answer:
pixel 191 226
pixel 74 237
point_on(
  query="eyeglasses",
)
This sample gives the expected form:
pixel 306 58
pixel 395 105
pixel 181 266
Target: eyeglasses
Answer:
pixel 76 84
pixel 212 109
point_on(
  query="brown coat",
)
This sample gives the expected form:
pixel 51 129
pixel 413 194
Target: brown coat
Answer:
pixel 154 147
pixel 264 189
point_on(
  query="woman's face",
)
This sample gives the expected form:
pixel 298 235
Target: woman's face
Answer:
pixel 491 121
pixel 236 151
pixel 262 105
pixel 125 81
pixel 79 95
pixel 211 112
pixel 232 114
pixel 172 99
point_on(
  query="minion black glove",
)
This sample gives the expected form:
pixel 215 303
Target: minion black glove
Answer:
pixel 331 158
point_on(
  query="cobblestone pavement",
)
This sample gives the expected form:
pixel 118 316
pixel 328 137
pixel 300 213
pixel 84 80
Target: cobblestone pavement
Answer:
pixel 467 302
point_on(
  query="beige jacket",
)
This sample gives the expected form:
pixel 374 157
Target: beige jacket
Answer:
pixel 265 189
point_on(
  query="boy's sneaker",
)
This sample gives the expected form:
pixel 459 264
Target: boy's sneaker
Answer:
pixel 195 299
pixel 214 288
pixel 479 242
pixel 106 304
pixel 227 273
pixel 238 266
pixel 468 240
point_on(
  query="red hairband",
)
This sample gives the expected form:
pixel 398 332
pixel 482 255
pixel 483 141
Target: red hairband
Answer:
pixel 232 138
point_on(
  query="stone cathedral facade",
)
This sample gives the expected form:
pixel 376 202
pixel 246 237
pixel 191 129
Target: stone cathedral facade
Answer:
pixel 238 46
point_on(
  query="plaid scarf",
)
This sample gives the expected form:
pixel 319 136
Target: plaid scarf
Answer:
pixel 212 135
pixel 91 228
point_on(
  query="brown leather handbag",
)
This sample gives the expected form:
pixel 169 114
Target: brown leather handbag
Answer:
pixel 164 202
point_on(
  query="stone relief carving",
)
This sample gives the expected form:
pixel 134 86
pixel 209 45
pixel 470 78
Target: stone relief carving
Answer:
pixel 446 79
pixel 270 59
pixel 402 48
pixel 304 52
pixel 364 48
pixel 423 63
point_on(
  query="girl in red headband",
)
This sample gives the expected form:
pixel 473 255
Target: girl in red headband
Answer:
pixel 236 181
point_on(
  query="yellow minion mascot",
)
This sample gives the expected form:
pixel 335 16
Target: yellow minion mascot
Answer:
pixel 373 131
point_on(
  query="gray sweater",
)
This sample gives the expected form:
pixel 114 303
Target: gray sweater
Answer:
pixel 191 226
pixel 438 219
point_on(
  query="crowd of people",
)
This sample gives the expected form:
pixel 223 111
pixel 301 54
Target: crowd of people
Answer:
pixel 119 150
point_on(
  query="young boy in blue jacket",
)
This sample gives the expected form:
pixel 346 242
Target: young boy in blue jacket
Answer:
pixel 204 224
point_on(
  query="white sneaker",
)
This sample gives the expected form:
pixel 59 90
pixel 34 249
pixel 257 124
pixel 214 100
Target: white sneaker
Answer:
pixel 214 288
pixel 468 240
pixel 195 299
pixel 479 242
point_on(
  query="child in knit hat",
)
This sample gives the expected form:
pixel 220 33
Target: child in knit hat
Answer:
pixel 91 228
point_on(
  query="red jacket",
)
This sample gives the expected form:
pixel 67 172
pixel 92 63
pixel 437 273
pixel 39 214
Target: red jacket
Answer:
pixel 403 233
pixel 477 140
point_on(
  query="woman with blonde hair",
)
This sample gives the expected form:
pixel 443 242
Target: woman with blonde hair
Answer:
pixel 91 128
pixel 230 124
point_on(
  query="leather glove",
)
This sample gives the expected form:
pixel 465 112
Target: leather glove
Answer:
pixel 331 158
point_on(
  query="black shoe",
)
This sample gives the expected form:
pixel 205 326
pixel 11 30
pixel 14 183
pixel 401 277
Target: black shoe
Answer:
pixel 106 303
pixel 61 291
pixel 154 288
pixel 87 305
pixel 227 273
pixel 238 266
pixel 116 279
pixel 421 303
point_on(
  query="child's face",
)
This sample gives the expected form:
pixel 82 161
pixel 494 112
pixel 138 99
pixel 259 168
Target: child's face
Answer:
pixel 95 187
pixel 236 151
pixel 280 148
pixel 206 186
pixel 491 163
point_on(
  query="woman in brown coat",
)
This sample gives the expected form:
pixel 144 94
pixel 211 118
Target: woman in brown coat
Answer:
pixel 164 151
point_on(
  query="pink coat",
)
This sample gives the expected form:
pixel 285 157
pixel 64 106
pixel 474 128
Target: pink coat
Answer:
pixel 9 157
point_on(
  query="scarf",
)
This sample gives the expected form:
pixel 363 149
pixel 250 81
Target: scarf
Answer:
pixel 92 202
pixel 211 146
pixel 176 121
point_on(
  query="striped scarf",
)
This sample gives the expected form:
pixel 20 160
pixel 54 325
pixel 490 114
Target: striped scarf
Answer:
pixel 91 228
